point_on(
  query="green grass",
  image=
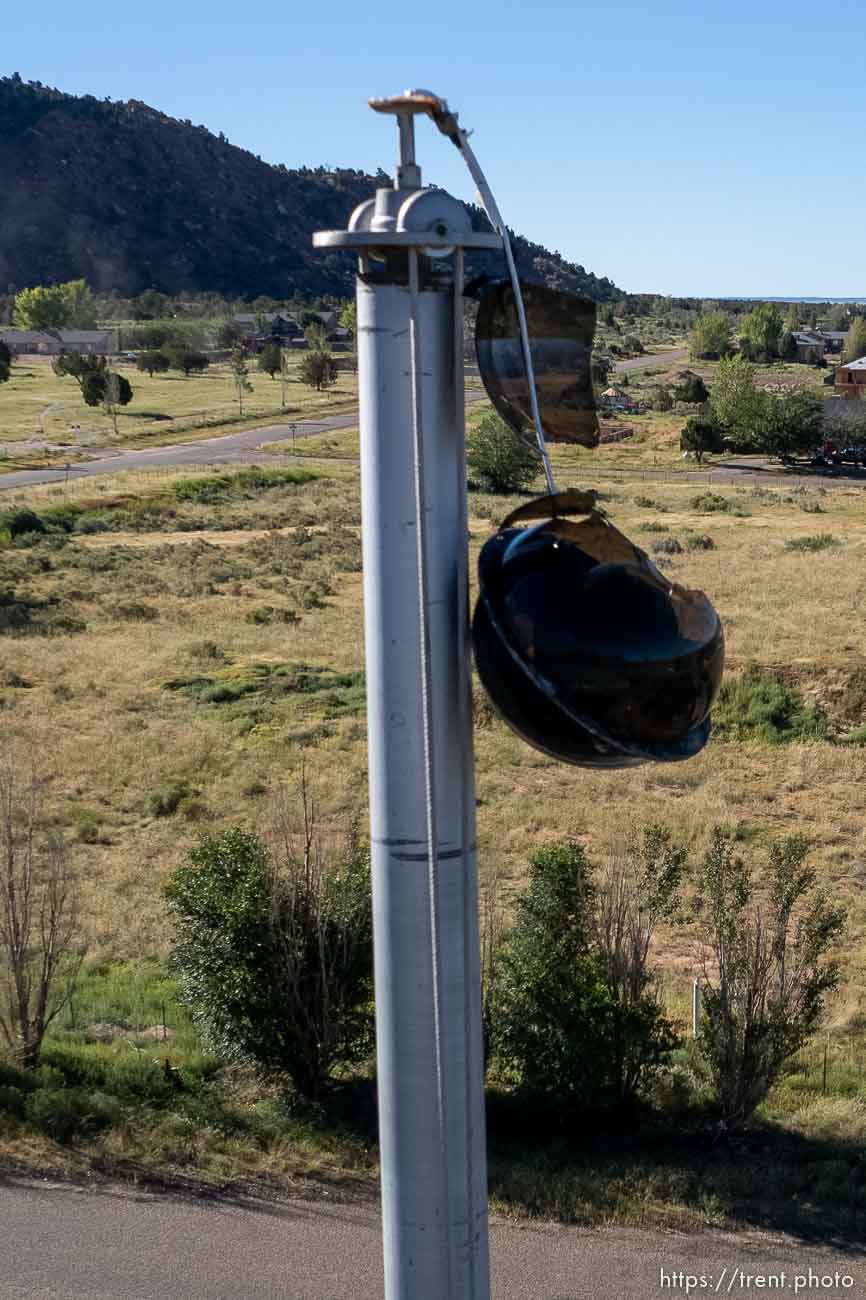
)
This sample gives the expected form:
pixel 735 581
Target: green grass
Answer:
pixel 757 706
pixel 36 404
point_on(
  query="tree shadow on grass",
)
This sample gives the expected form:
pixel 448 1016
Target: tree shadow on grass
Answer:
pixel 642 1170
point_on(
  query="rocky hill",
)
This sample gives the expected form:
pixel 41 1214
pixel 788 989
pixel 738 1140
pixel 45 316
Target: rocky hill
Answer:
pixel 131 199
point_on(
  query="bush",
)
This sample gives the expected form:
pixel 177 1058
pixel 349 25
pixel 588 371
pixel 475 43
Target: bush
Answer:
pixel 567 1026
pixel 498 459
pixel 700 542
pixel 702 435
pixel 815 542
pixel 667 546
pixel 167 800
pixel 276 961
pixel 70 1112
pixel 20 523
pixel 662 399
pixel 691 389
pixel 765 970
pixel 757 706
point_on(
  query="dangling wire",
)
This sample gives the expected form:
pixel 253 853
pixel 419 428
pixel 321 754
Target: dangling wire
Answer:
pixel 449 126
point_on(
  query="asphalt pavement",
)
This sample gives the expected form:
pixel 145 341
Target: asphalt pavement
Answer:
pixel 64 1243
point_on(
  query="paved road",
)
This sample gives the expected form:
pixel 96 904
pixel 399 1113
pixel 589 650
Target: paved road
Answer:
pixel 653 359
pixel 60 1243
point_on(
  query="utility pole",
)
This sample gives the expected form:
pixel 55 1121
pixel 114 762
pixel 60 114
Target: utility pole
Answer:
pixel 410 244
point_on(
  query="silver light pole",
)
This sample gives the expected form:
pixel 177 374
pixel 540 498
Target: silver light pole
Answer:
pixel 422 789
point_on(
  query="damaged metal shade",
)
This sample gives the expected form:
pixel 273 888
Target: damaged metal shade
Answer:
pixel 586 649
pixel 561 331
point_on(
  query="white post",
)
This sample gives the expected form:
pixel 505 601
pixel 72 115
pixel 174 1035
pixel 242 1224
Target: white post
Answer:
pixel 422 789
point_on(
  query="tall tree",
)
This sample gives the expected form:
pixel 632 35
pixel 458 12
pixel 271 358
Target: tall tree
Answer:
pixel 762 331
pixel 56 306
pixel 269 359
pixel 711 336
pixel 855 343
pixel 735 401
pixel 5 363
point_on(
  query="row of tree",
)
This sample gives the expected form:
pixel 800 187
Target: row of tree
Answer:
pixel 764 335
pixel 274 957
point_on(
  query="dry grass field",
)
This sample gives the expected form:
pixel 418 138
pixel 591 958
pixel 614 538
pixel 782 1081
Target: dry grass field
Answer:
pixel 198 637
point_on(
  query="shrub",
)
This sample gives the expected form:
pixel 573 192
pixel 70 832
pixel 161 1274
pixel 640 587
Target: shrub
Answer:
pixel 815 542
pixel 757 706
pixel 765 970
pixel 691 389
pixel 276 960
pixel 710 503
pixel 700 542
pixel 667 546
pixel 69 1112
pixel 19 523
pixel 702 435
pixel 567 1025
pixel 166 801
pixel 498 459
pixel 662 398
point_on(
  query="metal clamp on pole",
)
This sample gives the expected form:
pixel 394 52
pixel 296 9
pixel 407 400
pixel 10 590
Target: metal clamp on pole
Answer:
pixel 410 244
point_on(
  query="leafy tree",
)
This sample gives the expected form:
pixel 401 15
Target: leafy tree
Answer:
pixel 761 330
pixel 792 320
pixel 241 376
pixel 269 359
pixel 788 346
pixel 57 306
pixel 188 360
pixel 229 334
pixel 662 398
pixel 497 458
pixel 316 336
pixel 150 305
pixel 691 389
pixel 765 968
pixel 153 361
pixel 571 1019
pixel 317 368
pixel 790 423
pixel 93 386
pixel 117 393
pixel 735 401
pixel 702 436
pixel 275 958
pixel 5 362
pixel 348 318
pixel 855 343
pixel 711 336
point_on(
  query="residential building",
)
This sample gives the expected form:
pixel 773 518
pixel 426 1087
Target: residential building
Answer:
pixel 850 380
pixel 810 345
pixel 51 343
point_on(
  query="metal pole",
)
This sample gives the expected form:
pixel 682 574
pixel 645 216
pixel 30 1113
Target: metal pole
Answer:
pixel 428 1002
pixel 696 1008
pixel 421 775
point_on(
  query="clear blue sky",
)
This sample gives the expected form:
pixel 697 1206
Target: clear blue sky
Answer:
pixel 682 146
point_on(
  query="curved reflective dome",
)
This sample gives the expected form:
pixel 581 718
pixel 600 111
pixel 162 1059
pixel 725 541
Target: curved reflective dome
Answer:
pixel 588 651
pixel 561 332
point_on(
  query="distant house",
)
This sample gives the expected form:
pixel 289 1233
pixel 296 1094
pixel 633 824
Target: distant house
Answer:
pixel 272 326
pixel 810 345
pixel 850 380
pixel 834 340
pixel 99 343
pixel 616 399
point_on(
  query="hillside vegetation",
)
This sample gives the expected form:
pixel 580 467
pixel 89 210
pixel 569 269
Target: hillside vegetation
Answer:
pixel 132 199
